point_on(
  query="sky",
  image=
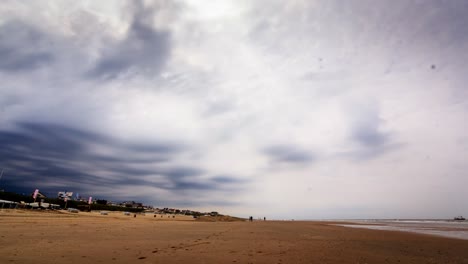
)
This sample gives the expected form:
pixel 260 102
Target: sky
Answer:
pixel 283 109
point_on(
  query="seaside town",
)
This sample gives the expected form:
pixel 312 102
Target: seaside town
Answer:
pixel 66 200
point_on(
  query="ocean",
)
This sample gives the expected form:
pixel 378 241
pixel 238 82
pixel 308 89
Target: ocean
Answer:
pixel 445 228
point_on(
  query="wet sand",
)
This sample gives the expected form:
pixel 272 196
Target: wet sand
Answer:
pixel 41 237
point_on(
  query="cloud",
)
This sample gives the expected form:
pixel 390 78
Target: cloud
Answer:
pixel 143 50
pixel 177 103
pixel 288 154
pixel 367 136
pixel 23 47
pixel 366 129
pixel 53 157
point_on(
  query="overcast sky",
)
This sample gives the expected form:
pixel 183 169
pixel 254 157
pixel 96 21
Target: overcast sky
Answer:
pixel 284 109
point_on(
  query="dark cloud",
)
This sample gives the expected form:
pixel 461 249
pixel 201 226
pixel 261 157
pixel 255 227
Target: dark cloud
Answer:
pixel 226 179
pixel 288 154
pixel 371 147
pixel 182 179
pixel 183 172
pixel 143 50
pixel 55 158
pixel 368 137
pixel 39 154
pixel 23 47
pixel 187 203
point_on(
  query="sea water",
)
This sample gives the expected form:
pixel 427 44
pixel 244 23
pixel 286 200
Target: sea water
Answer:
pixel 445 228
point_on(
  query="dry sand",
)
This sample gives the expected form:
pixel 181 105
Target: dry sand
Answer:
pixel 44 237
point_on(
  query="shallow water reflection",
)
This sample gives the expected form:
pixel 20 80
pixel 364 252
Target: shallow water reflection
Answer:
pixel 451 229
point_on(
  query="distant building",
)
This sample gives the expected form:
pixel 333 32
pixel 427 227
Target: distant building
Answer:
pixel 39 195
pixel 132 204
pixel 63 195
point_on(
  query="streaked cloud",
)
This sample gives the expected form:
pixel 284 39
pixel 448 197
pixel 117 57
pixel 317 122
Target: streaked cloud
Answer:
pixel 67 158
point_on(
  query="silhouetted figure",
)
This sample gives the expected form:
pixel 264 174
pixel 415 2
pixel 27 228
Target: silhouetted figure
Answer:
pixel 264 218
pixel 251 218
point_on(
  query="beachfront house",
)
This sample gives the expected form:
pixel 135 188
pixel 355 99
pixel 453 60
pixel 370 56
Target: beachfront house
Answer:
pixel 39 195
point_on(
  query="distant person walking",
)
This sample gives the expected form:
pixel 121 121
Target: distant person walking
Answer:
pixel 251 218
pixel 264 218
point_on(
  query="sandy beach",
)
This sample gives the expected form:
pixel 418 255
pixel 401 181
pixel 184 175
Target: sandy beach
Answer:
pixel 51 237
